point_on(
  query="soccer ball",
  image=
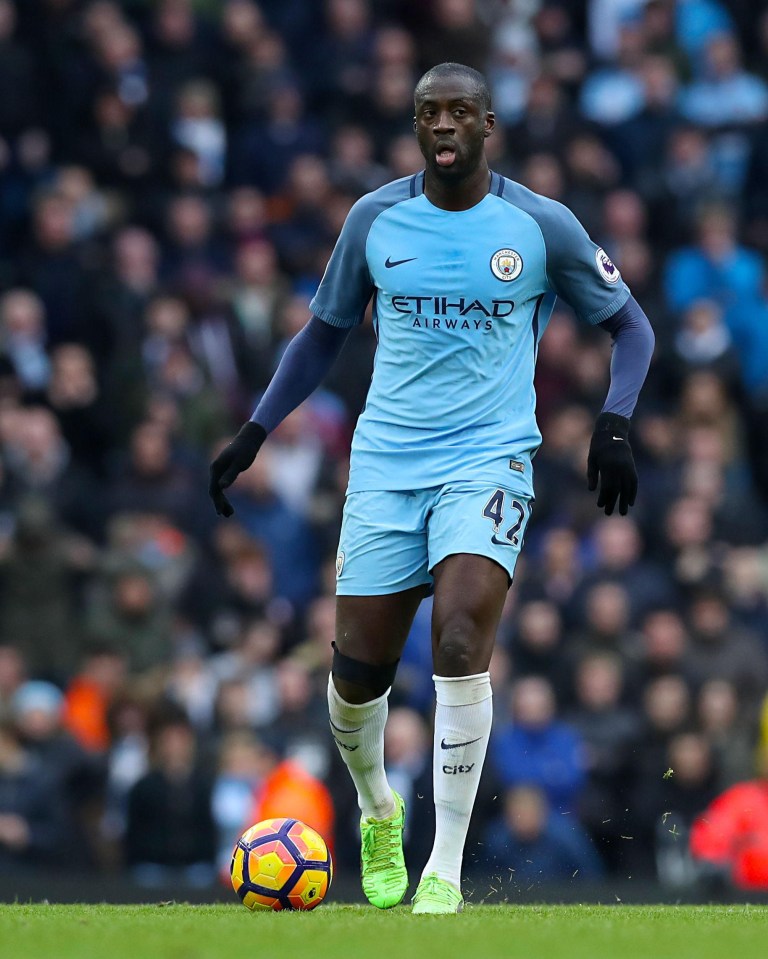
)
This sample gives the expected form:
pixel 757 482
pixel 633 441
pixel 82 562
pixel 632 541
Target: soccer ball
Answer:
pixel 281 864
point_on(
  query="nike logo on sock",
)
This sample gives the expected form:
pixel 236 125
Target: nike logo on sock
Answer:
pixel 340 730
pixel 349 749
pixel 390 263
pixel 445 745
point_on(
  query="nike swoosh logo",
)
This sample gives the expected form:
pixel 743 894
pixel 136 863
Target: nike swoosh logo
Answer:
pixel 349 749
pixel 390 263
pixel 619 438
pixel 340 730
pixel 500 542
pixel 445 745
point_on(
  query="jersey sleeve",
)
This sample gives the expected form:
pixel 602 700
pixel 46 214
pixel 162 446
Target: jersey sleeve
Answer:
pixel 346 286
pixel 578 270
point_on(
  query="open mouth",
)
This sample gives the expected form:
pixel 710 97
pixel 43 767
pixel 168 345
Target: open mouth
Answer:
pixel 445 155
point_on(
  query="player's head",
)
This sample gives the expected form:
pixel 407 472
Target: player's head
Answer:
pixel 453 118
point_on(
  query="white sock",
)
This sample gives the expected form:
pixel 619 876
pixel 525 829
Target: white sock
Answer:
pixel 462 727
pixel 359 734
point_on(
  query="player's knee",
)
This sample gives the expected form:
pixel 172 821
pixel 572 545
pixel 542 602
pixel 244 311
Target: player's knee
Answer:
pixel 359 682
pixel 459 646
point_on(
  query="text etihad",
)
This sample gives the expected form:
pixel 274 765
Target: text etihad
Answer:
pixel 447 306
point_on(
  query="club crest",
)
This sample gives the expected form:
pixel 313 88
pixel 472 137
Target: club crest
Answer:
pixel 339 563
pixel 506 265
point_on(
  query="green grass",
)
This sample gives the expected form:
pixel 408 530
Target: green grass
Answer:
pixel 177 931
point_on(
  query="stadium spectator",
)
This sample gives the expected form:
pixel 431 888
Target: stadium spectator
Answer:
pixel 74 395
pixel 532 844
pixel 190 684
pixel 237 778
pixel 198 128
pixel 231 587
pixel 619 560
pixel 128 614
pixel 40 569
pixel 607 626
pixel 716 268
pixel 90 695
pixel 536 748
pixel 455 34
pixel 251 660
pixel 23 336
pixel 287 535
pixel 721 651
pixel 268 145
pixel 299 727
pixel 725 94
pixel 666 806
pixel 286 789
pixel 703 341
pixel 342 59
pixel 51 267
pixel 610 732
pixel 722 720
pixel 170 834
pixel 666 711
pixel 730 837
pixel 75 776
pixel 746 589
pixel 615 93
pixel 119 295
pixel 39 467
pixel 537 645
pixel 153 481
pixel 664 645
pixel 640 139
pixel 256 299
pixel 32 823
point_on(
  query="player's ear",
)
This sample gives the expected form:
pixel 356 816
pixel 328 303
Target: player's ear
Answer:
pixel 490 123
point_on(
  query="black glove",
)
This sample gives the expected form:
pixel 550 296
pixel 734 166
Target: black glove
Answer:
pixel 610 455
pixel 231 461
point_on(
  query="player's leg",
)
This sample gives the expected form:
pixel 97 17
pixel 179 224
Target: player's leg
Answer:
pixel 370 634
pixel 474 540
pixel 469 597
pixel 382 577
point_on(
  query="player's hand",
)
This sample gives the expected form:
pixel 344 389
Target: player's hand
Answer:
pixel 231 461
pixel 610 458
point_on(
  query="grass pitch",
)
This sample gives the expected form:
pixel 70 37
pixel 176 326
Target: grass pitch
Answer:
pixel 177 931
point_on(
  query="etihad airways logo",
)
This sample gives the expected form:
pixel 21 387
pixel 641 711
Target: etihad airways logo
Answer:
pixel 460 313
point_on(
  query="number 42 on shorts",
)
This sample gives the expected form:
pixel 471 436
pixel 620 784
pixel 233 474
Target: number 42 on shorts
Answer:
pixel 494 510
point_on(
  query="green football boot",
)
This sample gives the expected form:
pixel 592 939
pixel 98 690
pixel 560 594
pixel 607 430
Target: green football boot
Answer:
pixel 436 897
pixel 382 865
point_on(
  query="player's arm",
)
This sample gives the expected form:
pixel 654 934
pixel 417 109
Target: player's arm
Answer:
pixel 305 363
pixel 610 457
pixel 338 305
pixel 583 275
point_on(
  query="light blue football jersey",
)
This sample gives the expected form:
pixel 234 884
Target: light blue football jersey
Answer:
pixel 460 301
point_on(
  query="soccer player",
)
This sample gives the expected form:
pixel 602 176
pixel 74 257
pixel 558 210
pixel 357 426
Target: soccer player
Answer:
pixel 463 267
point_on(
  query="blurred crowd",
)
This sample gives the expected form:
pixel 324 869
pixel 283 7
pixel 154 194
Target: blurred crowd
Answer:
pixel 173 175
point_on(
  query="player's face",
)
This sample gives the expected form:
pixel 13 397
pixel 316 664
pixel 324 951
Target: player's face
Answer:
pixel 451 127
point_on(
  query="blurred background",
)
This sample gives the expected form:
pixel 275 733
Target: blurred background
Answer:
pixel 173 176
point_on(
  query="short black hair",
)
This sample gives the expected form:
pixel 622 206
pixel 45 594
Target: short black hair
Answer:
pixel 481 91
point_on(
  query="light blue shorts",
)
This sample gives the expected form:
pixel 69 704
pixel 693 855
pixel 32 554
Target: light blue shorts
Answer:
pixel 391 541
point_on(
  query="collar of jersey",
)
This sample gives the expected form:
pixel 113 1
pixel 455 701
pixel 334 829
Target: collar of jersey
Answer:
pixel 494 187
